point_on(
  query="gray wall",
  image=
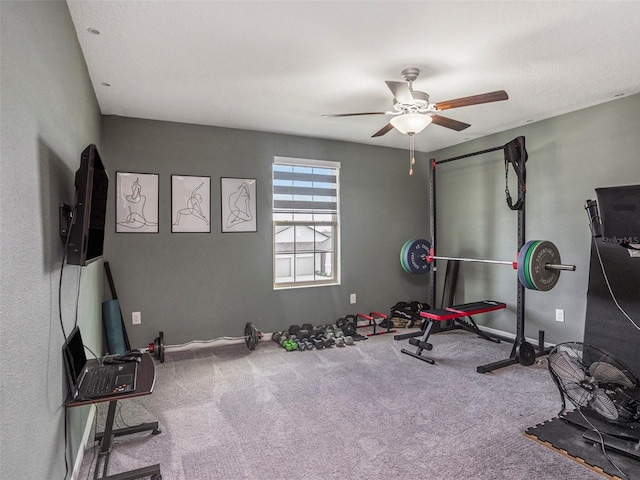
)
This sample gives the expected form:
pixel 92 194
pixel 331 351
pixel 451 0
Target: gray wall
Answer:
pixel 207 285
pixel 49 114
pixel 202 286
pixel 569 156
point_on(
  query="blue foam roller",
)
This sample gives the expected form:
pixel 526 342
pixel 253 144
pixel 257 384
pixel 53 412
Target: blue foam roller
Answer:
pixel 112 321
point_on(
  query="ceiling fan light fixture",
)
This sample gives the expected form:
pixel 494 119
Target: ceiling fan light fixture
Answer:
pixel 410 123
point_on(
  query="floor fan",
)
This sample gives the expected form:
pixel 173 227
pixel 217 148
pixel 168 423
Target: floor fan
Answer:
pixel 602 388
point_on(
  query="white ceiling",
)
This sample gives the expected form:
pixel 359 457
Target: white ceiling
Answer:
pixel 277 66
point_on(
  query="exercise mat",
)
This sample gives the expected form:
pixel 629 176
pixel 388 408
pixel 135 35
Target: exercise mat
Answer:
pixel 112 322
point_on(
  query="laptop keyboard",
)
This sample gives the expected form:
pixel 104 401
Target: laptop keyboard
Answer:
pixel 100 381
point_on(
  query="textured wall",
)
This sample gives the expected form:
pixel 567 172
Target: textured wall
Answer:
pixel 569 156
pixel 49 114
pixel 201 286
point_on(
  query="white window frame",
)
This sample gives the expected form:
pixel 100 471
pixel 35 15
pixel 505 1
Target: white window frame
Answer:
pixel 317 222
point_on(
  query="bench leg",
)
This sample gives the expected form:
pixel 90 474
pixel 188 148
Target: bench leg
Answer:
pixel 422 344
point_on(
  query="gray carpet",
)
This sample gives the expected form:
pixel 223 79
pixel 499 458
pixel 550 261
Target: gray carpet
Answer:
pixel 361 412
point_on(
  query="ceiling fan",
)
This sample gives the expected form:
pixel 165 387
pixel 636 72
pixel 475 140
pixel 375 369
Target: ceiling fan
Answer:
pixel 412 109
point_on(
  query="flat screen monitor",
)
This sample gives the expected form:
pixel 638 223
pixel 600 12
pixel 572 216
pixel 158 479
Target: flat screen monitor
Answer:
pixel 620 213
pixel 86 235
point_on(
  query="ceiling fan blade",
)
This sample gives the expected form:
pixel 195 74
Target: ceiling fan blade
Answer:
pixel 401 91
pixel 387 128
pixel 449 123
pixel 356 114
pixel 473 100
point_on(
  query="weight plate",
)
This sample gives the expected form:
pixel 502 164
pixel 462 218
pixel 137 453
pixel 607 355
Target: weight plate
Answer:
pixel 414 256
pixel 544 253
pixel 521 264
pixel 527 264
pixel 250 336
pixel 161 347
pixel 526 354
pixel 349 329
pixel 403 256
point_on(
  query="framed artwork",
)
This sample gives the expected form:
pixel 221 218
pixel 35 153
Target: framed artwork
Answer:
pixel 190 204
pixel 136 202
pixel 238 201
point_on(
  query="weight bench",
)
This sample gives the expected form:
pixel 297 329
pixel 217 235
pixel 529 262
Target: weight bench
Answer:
pixel 461 314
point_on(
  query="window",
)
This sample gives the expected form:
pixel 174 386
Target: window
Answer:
pixel 305 222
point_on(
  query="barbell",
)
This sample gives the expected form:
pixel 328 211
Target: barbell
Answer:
pixel 538 262
pixel 251 337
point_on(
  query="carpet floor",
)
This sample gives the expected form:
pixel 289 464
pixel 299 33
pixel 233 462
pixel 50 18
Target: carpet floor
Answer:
pixel 365 411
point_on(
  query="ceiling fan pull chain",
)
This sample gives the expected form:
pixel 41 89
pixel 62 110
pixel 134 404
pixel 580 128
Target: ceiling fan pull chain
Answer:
pixel 412 158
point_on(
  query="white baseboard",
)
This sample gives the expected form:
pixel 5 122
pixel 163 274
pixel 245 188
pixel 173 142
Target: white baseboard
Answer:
pixel 83 444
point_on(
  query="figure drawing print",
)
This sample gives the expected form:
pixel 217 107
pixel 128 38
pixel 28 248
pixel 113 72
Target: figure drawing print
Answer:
pixel 190 204
pixel 137 203
pixel 238 205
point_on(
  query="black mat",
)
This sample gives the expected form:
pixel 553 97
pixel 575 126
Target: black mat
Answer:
pixel 565 436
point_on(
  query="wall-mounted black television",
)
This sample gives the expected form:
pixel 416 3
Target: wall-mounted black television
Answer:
pixel 82 224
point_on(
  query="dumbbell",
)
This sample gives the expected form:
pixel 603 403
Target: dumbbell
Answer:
pixel 304 333
pixel 290 345
pixel 293 329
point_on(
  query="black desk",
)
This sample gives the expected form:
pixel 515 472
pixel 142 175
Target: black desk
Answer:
pixel 145 383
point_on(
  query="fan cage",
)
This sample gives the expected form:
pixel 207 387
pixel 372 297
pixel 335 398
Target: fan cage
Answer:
pixel 592 379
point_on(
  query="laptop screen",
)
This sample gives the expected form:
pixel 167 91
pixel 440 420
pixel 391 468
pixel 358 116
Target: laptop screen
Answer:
pixel 74 356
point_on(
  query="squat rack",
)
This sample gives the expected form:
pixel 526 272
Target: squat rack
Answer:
pixel 514 153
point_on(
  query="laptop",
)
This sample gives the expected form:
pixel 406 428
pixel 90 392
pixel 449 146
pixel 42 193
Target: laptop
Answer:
pixel 98 380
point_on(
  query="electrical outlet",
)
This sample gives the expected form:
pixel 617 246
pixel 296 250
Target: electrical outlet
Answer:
pixel 136 318
pixel 352 298
pixel 559 315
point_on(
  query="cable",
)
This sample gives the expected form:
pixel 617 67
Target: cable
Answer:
pixel 121 417
pixel 602 445
pixel 604 273
pixel 64 257
pixel 99 359
pixel 64 333
pixel 66 435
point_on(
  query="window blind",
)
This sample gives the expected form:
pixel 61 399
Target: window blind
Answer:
pixel 305 189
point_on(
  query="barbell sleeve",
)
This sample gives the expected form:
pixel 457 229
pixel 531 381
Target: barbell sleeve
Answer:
pixel 560 266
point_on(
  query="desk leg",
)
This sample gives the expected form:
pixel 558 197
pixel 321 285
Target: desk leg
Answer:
pixel 143 427
pixel 106 437
pixel 105 444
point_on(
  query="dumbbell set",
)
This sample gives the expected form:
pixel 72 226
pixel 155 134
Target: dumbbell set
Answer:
pixel 308 337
